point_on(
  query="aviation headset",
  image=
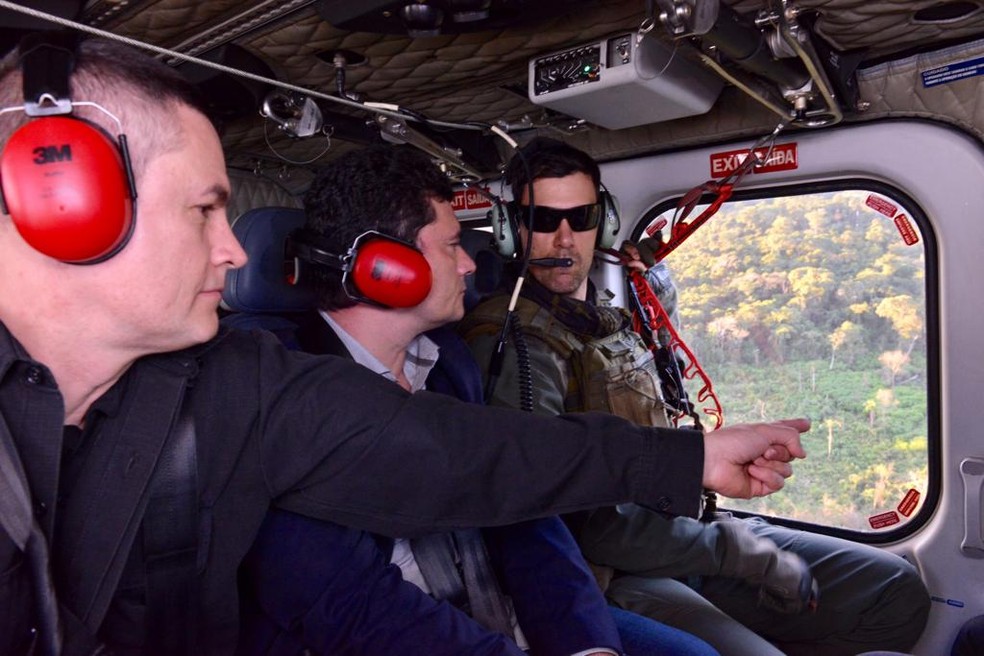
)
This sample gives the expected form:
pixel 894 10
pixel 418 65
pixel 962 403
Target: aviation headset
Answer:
pixel 505 223
pixel 66 184
pixel 376 268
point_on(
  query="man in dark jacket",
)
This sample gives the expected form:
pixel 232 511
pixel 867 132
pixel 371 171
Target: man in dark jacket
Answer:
pixel 141 449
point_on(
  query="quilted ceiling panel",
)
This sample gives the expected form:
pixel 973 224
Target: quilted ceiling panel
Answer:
pixel 481 76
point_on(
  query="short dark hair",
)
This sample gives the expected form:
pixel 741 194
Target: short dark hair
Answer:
pixel 384 188
pixel 140 90
pixel 548 158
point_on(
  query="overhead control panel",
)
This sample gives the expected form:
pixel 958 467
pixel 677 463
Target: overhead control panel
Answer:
pixel 567 69
pixel 621 82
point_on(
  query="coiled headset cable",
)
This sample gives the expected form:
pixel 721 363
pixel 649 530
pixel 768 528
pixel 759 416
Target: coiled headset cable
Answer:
pixel 510 322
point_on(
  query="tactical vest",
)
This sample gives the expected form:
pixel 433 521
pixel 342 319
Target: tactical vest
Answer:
pixel 615 374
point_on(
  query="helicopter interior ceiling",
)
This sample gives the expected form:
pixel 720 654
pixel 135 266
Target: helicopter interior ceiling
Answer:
pixel 460 67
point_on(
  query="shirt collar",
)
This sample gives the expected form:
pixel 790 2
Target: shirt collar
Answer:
pixel 421 356
pixel 11 350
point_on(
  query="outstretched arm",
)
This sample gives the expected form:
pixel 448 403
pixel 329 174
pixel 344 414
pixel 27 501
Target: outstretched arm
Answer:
pixel 340 443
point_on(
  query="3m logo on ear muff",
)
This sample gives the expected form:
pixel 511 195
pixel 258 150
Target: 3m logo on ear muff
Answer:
pixel 376 268
pixel 66 184
pixel 50 154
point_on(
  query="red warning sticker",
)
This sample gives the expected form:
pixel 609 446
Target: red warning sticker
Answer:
pixel 881 205
pixel 909 502
pixel 884 519
pixel 909 234
pixel 782 158
pixel 470 199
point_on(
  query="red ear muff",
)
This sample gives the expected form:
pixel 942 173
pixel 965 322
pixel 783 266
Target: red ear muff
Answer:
pixel 376 268
pixel 391 273
pixel 66 189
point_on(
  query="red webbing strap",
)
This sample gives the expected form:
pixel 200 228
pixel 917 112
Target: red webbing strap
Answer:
pixel 679 231
pixel 722 189
pixel 656 319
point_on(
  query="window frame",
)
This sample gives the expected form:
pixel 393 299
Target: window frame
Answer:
pixel 932 494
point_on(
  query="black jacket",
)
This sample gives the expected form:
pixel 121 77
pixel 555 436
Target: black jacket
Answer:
pixel 316 435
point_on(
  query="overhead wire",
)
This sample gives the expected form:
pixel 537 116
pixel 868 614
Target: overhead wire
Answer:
pixel 386 109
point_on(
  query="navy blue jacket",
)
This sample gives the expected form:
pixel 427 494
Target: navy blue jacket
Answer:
pixel 358 603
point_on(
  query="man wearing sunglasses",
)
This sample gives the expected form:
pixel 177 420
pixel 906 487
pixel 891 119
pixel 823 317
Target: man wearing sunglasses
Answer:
pixel 744 586
pixel 564 233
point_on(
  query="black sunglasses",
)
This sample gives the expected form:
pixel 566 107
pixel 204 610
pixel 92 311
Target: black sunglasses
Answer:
pixel 547 219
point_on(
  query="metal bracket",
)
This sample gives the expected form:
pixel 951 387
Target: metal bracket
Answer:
pixel 397 131
pixel 727 45
pixel 798 43
pixel 688 17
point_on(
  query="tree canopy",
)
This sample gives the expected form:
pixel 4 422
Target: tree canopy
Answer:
pixel 814 305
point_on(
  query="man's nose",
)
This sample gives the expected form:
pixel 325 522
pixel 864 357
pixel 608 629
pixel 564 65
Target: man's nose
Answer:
pixel 226 249
pixel 466 265
pixel 565 234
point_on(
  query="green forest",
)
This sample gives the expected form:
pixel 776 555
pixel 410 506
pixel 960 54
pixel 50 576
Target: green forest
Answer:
pixel 814 305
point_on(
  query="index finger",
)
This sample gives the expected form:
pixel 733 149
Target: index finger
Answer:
pixel 801 424
pixel 788 440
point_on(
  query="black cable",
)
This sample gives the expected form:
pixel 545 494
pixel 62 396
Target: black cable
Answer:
pixel 417 116
pixel 498 356
pixel 524 369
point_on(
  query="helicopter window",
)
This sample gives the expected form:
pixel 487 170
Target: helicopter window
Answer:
pixel 820 304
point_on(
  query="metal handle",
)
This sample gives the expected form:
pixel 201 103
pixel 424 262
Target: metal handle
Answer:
pixel 972 472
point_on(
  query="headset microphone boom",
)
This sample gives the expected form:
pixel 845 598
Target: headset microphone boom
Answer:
pixel 552 262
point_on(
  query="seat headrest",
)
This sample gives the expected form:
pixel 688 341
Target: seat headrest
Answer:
pixel 262 285
pixel 488 265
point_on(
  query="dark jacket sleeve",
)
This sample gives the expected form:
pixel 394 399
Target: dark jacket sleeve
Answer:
pixel 341 443
pixel 559 605
pixel 314 585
